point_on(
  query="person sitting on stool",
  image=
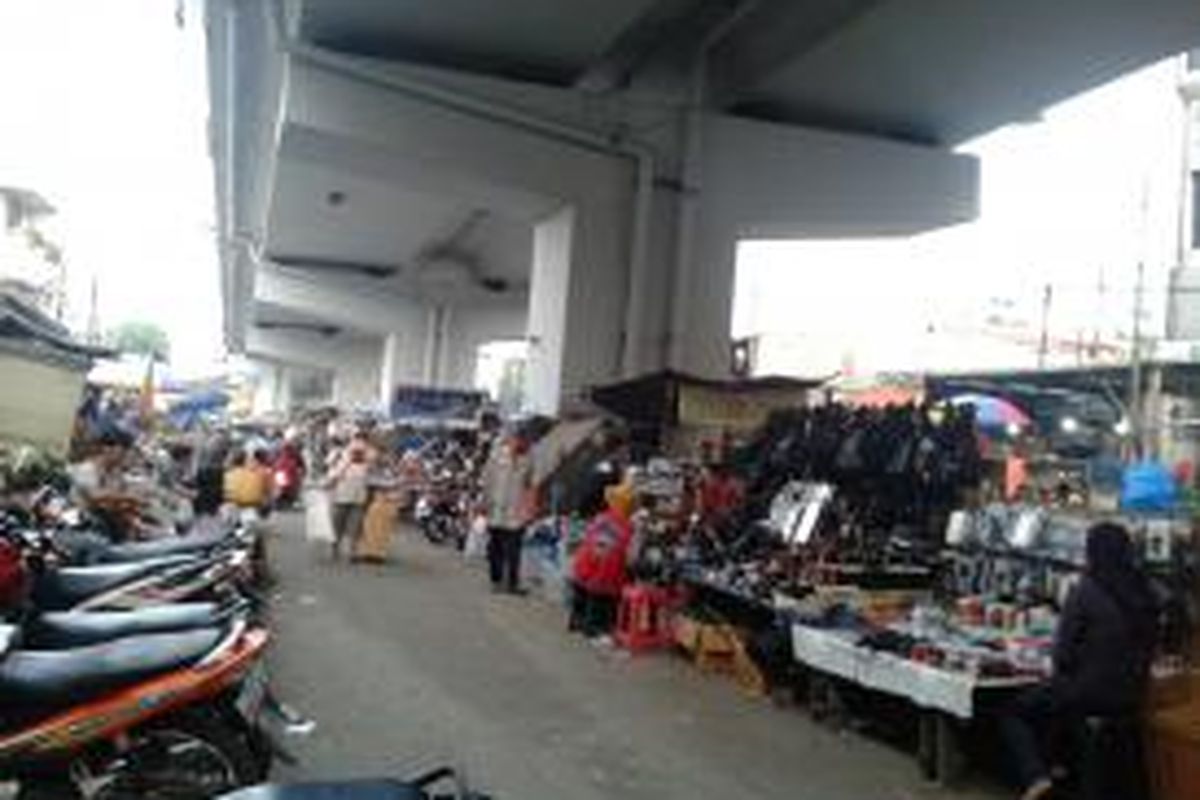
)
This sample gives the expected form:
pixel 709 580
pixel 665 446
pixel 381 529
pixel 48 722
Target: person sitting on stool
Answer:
pixel 1102 654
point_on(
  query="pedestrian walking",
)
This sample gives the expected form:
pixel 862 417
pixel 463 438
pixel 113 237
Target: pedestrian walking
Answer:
pixel 508 489
pixel 348 479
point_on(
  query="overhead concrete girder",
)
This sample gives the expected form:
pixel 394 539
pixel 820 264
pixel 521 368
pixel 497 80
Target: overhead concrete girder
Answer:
pixel 477 151
pixel 752 179
pixel 385 163
pixel 300 349
pixel 354 362
pixel 763 181
pixel 938 71
pixel 346 302
pixel 421 344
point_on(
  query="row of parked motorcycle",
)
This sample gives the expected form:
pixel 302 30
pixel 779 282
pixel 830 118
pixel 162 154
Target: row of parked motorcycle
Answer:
pixel 137 669
pixel 449 497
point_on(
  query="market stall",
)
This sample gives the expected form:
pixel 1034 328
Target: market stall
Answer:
pixel 674 414
pixel 989 629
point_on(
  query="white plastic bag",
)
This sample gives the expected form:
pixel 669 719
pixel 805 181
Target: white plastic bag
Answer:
pixel 318 518
pixel 477 539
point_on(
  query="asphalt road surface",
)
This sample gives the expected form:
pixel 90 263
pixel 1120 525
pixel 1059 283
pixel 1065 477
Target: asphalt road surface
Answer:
pixel 415 664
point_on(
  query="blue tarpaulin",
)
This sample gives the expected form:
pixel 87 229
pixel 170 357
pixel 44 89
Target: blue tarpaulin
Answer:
pixel 184 412
pixel 1148 486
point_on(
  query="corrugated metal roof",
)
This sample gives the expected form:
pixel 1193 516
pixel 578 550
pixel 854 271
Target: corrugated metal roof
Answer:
pixel 27 331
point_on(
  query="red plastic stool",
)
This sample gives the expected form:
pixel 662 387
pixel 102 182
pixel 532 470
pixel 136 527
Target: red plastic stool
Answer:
pixel 644 618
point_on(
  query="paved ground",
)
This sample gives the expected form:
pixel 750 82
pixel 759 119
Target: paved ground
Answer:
pixel 415 663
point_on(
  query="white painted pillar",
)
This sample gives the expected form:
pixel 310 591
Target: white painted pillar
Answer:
pixel 702 307
pixel 445 376
pixel 390 369
pixel 550 284
pixel 266 386
pixel 283 388
pixel 430 361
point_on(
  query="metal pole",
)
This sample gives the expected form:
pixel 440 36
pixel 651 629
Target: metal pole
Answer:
pixel 1044 344
pixel 1135 363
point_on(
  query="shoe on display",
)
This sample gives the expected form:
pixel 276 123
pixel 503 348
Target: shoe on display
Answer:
pixel 1039 790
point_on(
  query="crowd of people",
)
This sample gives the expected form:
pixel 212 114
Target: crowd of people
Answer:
pixel 371 476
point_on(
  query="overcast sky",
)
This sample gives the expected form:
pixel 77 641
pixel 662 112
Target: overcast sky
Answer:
pixel 103 111
pixel 1061 202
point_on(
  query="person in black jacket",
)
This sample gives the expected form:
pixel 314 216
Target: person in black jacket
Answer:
pixel 1102 655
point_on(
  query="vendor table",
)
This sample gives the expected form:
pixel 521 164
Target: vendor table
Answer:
pixel 947 699
pixel 735 607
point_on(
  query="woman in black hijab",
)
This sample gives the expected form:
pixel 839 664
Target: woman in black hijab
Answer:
pixel 1102 653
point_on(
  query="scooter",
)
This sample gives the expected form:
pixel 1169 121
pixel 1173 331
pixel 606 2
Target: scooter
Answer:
pixel 173 714
pixel 225 574
pixel 439 513
pixel 286 481
pixel 80 543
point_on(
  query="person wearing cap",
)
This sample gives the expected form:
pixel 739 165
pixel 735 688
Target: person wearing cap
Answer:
pixel 599 565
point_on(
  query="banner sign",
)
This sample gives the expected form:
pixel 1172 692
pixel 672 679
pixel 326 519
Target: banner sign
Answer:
pixel 423 403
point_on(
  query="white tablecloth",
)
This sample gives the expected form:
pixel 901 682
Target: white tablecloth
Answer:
pixel 835 653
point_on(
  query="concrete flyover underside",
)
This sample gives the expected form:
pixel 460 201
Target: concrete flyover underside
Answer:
pixel 578 175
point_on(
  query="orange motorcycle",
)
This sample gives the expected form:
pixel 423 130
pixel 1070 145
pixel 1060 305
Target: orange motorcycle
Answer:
pixel 162 715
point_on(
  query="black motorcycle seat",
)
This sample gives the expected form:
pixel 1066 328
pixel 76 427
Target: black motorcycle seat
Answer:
pixel 158 548
pixel 65 629
pixel 342 790
pixel 46 680
pixel 66 586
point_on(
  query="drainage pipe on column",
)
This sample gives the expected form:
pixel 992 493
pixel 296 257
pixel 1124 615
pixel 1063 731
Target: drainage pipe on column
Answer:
pixel 232 243
pixel 641 155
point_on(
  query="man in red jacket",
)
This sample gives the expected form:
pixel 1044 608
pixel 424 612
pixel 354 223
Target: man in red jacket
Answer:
pixel 598 568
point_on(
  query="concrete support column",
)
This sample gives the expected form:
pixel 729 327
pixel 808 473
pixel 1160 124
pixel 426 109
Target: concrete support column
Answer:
pixel 550 283
pixel 466 328
pixel 356 375
pixel 283 389
pixel 402 362
pixel 273 387
pixel 444 378
pixel 267 377
pixel 435 330
pixel 389 369
pixel 701 305
pixel 355 361
pixel 578 295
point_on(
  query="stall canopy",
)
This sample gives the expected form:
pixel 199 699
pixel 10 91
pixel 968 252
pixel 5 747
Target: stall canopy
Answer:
pixel 187 411
pixel 657 405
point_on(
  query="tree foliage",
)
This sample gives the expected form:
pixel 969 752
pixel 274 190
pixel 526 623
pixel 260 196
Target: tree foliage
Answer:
pixel 140 338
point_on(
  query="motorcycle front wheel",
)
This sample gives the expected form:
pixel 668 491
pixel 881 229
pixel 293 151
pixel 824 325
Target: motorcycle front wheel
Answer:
pixel 190 756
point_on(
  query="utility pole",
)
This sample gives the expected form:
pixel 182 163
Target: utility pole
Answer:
pixel 1135 362
pixel 1044 343
pixel 93 320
